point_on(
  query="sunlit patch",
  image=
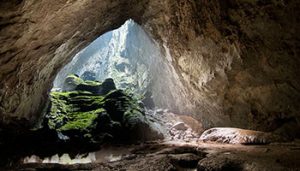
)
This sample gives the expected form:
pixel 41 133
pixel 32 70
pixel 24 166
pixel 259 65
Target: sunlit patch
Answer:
pixel 63 159
pixel 113 158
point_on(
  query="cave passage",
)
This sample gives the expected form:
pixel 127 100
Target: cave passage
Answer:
pixel 114 95
pixel 115 90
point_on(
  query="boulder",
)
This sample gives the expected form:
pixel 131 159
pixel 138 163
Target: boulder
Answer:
pixel 73 82
pixel 180 126
pixel 107 86
pixel 159 111
pixel 239 136
pixel 195 125
pixel 94 87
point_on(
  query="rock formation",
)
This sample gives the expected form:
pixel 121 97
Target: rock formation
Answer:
pixel 237 59
pixel 239 136
pixel 90 111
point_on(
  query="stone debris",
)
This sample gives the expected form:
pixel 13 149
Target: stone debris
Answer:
pixel 159 111
pixel 180 126
pixel 172 126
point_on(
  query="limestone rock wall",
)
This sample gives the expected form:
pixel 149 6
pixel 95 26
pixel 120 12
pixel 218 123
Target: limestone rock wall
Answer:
pixel 237 59
pixel 40 37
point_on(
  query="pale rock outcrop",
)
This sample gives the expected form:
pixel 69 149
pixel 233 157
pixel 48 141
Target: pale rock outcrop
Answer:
pixel 239 136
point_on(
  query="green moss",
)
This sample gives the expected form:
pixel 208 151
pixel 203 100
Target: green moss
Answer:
pixel 73 82
pixel 86 114
pixel 81 120
pixel 67 109
pixel 76 80
pixel 92 83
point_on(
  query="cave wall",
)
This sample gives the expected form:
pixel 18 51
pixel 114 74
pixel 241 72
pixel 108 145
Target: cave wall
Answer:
pixel 237 59
pixel 40 37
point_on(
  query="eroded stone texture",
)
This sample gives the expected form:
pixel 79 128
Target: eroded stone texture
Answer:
pixel 237 59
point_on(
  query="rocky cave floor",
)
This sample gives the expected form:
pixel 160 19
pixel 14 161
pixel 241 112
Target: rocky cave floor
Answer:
pixel 180 150
pixel 187 156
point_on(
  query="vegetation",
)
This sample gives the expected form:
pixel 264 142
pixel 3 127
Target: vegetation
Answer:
pixel 84 114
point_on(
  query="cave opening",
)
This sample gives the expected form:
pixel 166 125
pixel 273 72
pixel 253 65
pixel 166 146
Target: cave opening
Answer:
pixel 120 89
pixel 128 55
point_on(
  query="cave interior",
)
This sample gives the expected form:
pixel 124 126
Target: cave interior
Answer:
pixel 149 85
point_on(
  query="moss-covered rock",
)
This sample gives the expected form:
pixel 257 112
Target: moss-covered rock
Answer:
pixel 71 82
pixel 74 82
pixel 83 114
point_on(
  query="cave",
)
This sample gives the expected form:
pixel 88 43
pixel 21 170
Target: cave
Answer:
pixel 134 60
pixel 149 85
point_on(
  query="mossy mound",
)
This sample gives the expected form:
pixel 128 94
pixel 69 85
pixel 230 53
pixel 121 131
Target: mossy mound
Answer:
pixel 85 115
pixel 73 82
